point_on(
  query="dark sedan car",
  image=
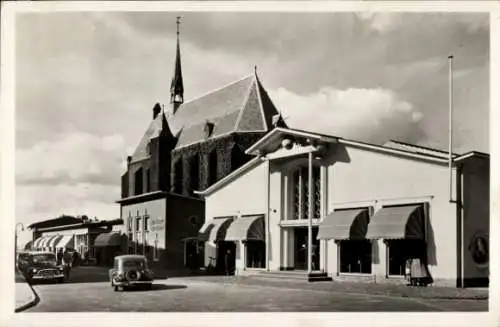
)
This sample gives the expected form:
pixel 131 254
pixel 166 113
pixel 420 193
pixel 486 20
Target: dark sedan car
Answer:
pixel 131 271
pixel 39 265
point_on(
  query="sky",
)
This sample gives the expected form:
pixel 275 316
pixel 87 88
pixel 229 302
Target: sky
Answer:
pixel 86 83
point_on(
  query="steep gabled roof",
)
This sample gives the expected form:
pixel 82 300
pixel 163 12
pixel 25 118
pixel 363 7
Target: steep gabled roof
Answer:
pixel 158 126
pixel 242 106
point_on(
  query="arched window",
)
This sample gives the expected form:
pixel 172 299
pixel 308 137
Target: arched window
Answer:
pixel 194 174
pixel 138 180
pixel 212 167
pixel 178 176
pixel 238 157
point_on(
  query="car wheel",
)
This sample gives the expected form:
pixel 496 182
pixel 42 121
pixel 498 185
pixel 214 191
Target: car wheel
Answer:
pixel 150 286
pixel 116 288
pixel 60 280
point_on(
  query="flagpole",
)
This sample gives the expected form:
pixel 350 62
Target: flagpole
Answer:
pixel 450 126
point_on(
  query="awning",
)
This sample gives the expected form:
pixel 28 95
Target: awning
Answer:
pixel 108 239
pixel 53 241
pixel 250 228
pixel 215 229
pixel 67 241
pixel 344 225
pixel 397 223
pixel 36 243
pixel 45 241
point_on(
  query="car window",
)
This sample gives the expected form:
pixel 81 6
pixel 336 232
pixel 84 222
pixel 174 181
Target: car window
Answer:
pixel 43 257
pixel 140 264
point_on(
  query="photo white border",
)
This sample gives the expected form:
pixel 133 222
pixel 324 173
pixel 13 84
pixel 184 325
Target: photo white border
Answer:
pixel 7 168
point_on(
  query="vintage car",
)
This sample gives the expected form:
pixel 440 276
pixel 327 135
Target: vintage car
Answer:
pixel 131 271
pixel 40 265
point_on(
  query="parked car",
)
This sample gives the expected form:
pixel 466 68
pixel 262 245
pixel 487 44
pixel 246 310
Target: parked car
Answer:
pixel 40 265
pixel 131 271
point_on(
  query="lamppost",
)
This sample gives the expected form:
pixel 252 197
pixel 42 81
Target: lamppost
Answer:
pixel 15 240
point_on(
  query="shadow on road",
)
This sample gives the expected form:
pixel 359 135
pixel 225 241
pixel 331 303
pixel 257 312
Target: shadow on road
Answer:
pixel 156 287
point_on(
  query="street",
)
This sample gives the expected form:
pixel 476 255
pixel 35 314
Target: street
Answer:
pixel 183 294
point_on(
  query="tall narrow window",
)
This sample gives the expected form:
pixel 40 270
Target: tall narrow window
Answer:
pixel 137 224
pixel 146 223
pixel 238 157
pixel 148 180
pixel 212 167
pixel 301 193
pixel 138 180
pixel 194 174
pixel 178 177
pixel 155 249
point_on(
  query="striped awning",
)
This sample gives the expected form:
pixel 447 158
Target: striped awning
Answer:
pixel 215 229
pixel 344 225
pixel 67 241
pixel 249 228
pixel 53 240
pixel 108 239
pixel 399 222
pixel 36 243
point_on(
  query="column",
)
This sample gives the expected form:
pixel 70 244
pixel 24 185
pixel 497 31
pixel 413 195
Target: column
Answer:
pixel 310 214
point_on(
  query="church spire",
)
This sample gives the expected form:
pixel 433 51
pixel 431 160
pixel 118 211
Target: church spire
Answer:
pixel 177 86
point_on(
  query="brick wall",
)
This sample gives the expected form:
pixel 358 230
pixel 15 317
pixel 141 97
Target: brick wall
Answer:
pixel 185 216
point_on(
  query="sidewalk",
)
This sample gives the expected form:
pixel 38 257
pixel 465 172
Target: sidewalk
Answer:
pixel 25 295
pixel 430 292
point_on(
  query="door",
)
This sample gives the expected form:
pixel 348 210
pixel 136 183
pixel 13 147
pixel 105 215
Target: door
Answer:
pixel 226 257
pixel 301 243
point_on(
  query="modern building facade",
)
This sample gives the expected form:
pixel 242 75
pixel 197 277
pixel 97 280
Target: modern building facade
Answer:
pixel 352 210
pixel 187 147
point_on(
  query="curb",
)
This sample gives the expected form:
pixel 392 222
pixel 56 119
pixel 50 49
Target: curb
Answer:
pixel 388 294
pixel 31 303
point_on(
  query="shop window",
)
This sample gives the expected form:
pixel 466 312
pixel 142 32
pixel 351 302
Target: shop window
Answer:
pixel 138 180
pixel 255 254
pixel 401 250
pixel 355 256
pixel 212 167
pixel 301 193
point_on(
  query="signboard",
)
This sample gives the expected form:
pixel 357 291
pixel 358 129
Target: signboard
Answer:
pixel 157 224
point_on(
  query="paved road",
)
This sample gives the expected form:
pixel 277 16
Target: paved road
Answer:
pixel 188 294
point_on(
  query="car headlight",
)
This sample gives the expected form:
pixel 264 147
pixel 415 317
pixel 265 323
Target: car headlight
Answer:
pixel 34 270
pixel 61 268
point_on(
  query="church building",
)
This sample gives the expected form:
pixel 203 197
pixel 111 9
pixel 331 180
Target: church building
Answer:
pixel 184 149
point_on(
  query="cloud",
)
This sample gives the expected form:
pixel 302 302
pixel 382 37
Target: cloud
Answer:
pixel 374 115
pixel 74 158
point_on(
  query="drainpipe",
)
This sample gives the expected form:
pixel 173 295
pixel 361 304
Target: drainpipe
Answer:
pixel 450 128
pixel 450 168
pixel 268 200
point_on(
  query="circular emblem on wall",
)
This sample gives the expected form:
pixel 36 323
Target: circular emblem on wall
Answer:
pixel 193 220
pixel 478 248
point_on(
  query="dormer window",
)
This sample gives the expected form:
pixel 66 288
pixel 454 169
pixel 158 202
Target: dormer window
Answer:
pixel 148 148
pixel 208 129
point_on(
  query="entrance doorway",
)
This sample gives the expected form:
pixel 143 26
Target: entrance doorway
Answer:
pixel 226 257
pixel 301 243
